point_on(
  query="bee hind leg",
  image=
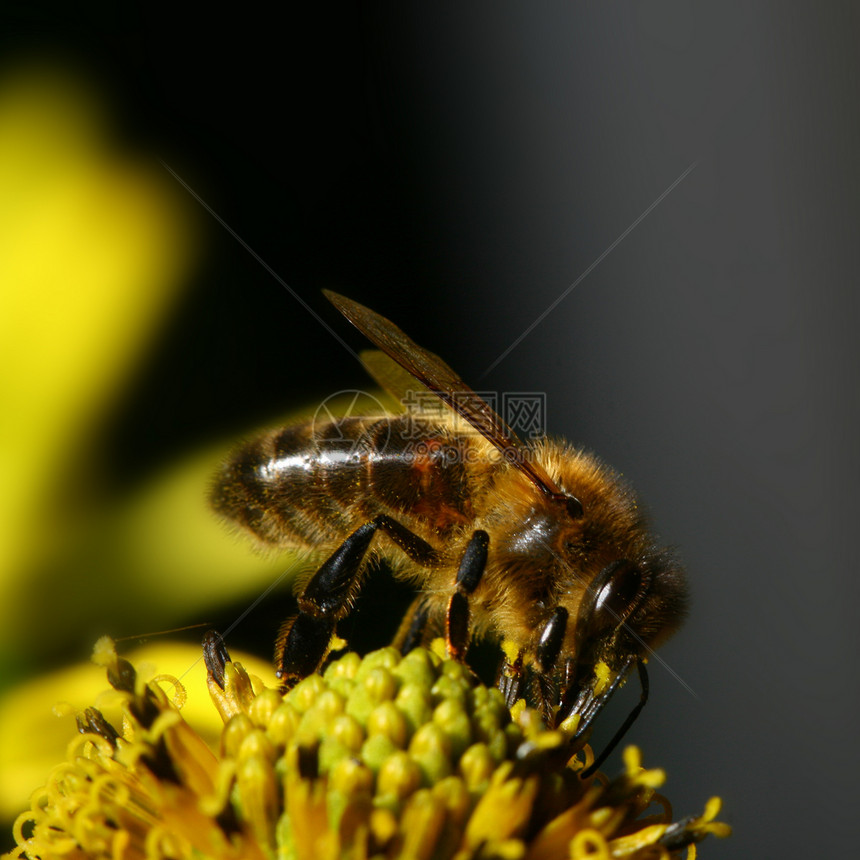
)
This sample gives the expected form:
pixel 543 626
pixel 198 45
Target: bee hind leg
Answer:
pixel 468 576
pixel 304 640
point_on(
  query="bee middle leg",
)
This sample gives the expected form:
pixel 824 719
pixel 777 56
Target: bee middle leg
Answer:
pixel 468 576
pixel 419 620
pixel 304 641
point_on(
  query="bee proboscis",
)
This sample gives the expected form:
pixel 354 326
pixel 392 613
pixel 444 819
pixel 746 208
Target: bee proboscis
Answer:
pixel 539 545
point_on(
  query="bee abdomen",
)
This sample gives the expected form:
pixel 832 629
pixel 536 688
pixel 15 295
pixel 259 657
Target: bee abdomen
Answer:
pixel 299 485
pixel 420 469
pixel 309 483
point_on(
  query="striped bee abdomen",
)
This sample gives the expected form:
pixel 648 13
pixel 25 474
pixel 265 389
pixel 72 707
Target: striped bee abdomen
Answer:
pixel 309 483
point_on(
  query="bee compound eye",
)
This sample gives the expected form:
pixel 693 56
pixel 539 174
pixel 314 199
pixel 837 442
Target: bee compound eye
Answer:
pixel 618 594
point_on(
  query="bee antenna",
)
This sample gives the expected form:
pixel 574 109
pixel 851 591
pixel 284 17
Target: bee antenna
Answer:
pixel 143 637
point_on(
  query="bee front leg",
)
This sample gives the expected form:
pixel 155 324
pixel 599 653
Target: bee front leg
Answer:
pixel 468 576
pixel 511 671
pixel 303 642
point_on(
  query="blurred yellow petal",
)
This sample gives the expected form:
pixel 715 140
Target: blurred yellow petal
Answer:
pixel 158 558
pixel 170 557
pixel 92 245
pixel 197 560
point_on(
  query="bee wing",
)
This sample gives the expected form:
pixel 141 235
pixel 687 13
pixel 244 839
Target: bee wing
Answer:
pixel 438 377
pixel 388 373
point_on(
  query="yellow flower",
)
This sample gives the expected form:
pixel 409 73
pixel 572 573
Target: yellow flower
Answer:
pixel 97 242
pixel 93 244
pixel 385 756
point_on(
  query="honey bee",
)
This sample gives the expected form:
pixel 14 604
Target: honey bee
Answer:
pixel 540 545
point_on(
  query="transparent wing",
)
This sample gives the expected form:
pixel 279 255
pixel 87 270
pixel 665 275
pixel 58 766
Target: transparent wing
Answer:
pixel 389 374
pixel 435 375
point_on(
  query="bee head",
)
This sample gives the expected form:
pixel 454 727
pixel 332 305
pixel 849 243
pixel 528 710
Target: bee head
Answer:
pixel 627 610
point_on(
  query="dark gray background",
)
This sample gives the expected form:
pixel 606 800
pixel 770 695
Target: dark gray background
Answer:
pixel 457 169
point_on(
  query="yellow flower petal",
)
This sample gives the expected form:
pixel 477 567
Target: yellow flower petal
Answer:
pixel 155 788
pixel 92 246
pixel 34 732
